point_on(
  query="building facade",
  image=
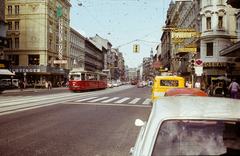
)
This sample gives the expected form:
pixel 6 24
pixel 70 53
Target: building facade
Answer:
pixel 77 50
pixel 212 20
pixel 37 35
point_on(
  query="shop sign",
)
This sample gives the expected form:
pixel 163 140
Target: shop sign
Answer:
pixel 26 70
pixel 214 64
pixel 187 50
pixel 168 28
pixel 60 61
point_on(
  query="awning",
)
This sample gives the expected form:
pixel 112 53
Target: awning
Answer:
pixel 5 72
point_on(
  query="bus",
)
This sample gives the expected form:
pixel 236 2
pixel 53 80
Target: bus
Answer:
pixel 80 79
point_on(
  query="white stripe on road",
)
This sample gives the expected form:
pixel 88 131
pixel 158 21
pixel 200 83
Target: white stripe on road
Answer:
pixel 134 101
pixel 147 101
pixel 85 99
pixel 122 100
pixel 98 99
pixel 109 100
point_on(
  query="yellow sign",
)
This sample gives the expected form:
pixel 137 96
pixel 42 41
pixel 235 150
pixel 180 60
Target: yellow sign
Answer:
pixel 186 45
pixel 178 40
pixel 186 50
pixel 162 70
pixel 2 66
pixel 181 35
pixel 110 67
pixel 136 48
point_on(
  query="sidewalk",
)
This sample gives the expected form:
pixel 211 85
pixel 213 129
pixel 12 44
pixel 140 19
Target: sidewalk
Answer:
pixel 29 90
pixel 227 96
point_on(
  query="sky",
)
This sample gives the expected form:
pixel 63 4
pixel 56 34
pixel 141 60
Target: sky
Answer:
pixel 124 23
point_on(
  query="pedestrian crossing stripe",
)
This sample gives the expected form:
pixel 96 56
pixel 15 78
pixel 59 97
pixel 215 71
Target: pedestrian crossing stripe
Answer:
pixel 112 99
pixel 105 104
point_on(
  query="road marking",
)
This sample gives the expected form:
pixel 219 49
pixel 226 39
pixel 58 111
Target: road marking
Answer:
pixel 86 99
pixel 98 99
pixel 103 104
pixel 109 100
pixel 134 101
pixel 122 100
pixel 147 101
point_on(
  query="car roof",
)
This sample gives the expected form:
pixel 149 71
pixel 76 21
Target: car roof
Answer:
pixel 167 77
pixel 185 91
pixel 195 107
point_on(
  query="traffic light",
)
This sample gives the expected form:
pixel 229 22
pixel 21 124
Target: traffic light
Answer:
pixel 136 48
pixel 192 64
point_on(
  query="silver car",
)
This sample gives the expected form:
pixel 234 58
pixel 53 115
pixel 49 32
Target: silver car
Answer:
pixel 188 125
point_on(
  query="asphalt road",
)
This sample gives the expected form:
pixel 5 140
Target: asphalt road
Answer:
pixel 72 125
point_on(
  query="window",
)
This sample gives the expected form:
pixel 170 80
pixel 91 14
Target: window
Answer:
pixel 16 42
pixel 169 83
pixel 9 10
pixel 50 28
pixel 65 10
pixel 220 1
pixel 15 59
pixel 198 137
pixel 65 23
pixel 220 22
pixel 65 36
pixel 33 59
pixel 209 49
pixel 16 25
pixel 208 22
pixel 209 2
pixel 50 44
pixel 9 26
pixel 50 12
pixel 16 9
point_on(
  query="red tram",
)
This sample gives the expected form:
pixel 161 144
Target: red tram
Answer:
pixel 80 79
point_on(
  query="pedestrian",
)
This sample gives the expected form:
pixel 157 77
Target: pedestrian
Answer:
pixel 49 85
pixel 198 85
pixel 211 88
pixel 20 85
pixel 189 84
pixel 46 85
pixel 225 88
pixel 234 86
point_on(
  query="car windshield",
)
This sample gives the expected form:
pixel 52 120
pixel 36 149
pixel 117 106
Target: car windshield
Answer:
pixel 186 137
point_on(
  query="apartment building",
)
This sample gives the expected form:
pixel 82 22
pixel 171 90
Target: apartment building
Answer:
pixel 38 34
pixel 77 50
pixel 215 21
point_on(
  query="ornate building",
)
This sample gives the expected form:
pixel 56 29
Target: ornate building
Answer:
pixel 36 34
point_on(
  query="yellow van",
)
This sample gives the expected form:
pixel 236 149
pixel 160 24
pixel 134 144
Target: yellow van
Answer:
pixel 162 83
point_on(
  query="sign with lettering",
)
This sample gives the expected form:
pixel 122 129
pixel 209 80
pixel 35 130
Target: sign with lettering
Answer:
pixel 214 64
pixel 187 50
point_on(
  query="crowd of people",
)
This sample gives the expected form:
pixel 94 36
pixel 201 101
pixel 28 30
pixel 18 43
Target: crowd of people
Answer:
pixel 233 88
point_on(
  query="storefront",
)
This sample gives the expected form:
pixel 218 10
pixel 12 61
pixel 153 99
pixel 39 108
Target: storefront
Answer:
pixel 33 75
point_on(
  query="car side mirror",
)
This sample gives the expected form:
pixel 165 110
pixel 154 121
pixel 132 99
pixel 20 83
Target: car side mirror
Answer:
pixel 139 122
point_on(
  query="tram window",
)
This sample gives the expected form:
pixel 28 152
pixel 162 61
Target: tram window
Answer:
pixel 77 77
pixel 83 76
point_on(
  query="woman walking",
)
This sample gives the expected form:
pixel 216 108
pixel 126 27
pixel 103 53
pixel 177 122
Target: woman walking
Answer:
pixel 234 86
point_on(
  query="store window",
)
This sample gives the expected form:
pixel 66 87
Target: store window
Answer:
pixel 16 42
pixel 9 10
pixel 208 22
pixel 16 9
pixel 33 59
pixel 209 49
pixel 9 26
pixel 17 26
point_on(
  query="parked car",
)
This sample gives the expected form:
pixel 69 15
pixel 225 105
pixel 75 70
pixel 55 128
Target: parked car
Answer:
pixel 133 82
pixel 190 125
pixel 109 85
pixel 185 91
pixel 140 85
pixel 115 84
